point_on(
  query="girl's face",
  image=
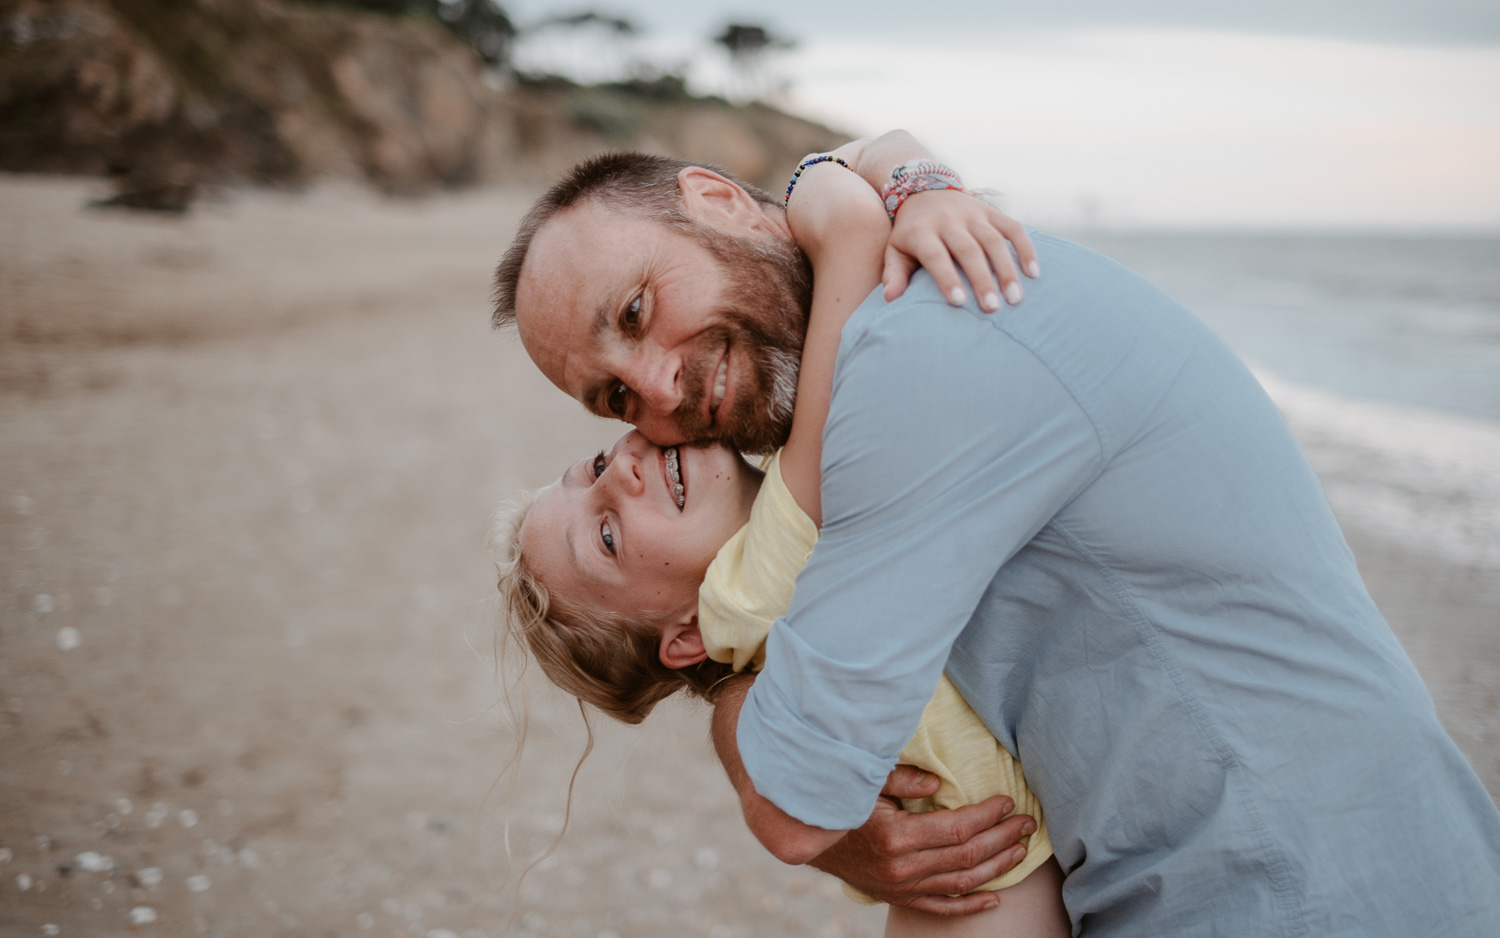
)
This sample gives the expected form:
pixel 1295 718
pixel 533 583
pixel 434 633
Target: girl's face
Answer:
pixel 610 532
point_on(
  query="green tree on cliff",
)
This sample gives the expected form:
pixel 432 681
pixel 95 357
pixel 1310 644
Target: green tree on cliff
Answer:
pixel 749 47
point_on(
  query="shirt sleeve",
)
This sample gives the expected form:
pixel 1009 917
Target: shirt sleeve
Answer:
pixel 948 446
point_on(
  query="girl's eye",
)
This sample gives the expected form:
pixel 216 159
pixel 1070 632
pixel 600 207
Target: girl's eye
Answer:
pixel 632 317
pixel 599 465
pixel 608 536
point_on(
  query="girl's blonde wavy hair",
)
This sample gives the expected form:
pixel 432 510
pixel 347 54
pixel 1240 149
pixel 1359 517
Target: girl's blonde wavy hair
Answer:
pixel 608 660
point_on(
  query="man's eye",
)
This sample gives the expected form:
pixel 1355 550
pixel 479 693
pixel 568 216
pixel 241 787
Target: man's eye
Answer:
pixel 608 536
pixel 632 316
pixel 599 465
pixel 616 400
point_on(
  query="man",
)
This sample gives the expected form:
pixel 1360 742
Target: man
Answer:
pixel 1087 512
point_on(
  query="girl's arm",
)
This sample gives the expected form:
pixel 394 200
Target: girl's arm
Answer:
pixel 840 222
pixel 841 225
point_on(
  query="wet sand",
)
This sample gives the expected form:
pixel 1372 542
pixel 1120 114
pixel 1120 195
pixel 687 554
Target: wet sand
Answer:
pixel 247 636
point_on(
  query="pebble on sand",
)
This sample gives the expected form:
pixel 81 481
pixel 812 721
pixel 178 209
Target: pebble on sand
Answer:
pixel 188 818
pixel 142 915
pixel 68 638
pixel 6 855
pixel 23 882
pixel 157 814
pixel 50 930
pixel 91 862
pixel 148 877
pixel 199 883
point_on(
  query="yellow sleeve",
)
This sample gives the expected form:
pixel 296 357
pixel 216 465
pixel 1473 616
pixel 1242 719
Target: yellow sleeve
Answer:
pixel 750 582
pixel 954 744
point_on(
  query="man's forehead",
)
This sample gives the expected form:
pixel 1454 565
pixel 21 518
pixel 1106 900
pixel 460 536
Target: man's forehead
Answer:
pixel 583 241
pixel 583 260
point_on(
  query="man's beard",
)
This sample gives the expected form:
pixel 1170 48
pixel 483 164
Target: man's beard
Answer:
pixel 768 290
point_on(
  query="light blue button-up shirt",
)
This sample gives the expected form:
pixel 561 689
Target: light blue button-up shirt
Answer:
pixel 1088 512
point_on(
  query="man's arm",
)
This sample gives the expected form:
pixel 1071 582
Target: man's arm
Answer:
pixel 788 839
pixel 950 444
pixel 924 862
pixel 927 862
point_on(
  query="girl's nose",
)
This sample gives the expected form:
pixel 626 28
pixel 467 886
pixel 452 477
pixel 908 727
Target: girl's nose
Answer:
pixel 626 472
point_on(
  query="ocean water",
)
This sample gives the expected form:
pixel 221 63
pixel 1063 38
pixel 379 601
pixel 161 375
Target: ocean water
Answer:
pixel 1383 353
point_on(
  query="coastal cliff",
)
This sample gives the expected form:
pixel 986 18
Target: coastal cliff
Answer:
pixel 167 95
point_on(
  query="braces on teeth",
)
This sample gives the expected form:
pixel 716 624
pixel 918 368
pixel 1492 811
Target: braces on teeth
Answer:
pixel 675 475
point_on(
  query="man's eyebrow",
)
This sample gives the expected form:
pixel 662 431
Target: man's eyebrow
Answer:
pixel 604 316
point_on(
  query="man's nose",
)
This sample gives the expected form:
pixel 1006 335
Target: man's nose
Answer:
pixel 658 382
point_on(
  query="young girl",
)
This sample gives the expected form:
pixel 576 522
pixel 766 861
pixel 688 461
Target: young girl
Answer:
pixel 647 570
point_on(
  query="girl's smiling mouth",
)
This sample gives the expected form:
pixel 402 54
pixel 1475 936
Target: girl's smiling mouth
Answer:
pixel 674 473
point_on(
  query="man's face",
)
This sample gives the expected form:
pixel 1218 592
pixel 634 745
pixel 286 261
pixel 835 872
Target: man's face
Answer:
pixel 689 335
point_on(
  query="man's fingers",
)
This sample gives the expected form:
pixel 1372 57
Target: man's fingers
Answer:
pixel 949 906
pixel 939 829
pixel 961 881
pixel 908 781
pixel 980 850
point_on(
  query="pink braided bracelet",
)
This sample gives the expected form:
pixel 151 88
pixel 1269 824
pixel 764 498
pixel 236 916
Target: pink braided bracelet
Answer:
pixel 916 176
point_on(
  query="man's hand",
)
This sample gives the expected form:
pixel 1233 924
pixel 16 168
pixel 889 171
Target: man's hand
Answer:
pixel 927 862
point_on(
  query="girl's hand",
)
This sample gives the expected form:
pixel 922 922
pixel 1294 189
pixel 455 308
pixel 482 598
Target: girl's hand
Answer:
pixel 934 229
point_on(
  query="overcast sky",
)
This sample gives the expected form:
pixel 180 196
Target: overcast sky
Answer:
pixel 1350 113
pixel 1462 22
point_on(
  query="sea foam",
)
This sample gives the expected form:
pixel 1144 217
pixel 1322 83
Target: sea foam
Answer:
pixel 1427 479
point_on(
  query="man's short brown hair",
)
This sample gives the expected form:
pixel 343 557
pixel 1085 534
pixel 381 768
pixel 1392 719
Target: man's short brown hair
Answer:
pixel 644 184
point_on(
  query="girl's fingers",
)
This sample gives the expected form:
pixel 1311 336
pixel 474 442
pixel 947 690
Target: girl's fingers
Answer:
pixel 933 255
pixel 998 252
pixel 1015 233
pixel 897 273
pixel 971 257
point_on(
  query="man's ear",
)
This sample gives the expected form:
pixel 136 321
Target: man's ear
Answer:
pixel 682 644
pixel 710 198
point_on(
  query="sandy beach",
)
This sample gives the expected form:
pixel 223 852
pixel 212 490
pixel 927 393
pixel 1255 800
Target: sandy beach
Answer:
pixel 248 670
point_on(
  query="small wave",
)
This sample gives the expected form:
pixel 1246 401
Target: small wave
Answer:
pixel 1425 478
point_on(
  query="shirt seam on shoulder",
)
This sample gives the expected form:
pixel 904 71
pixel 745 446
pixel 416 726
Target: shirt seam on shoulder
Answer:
pixel 1106 453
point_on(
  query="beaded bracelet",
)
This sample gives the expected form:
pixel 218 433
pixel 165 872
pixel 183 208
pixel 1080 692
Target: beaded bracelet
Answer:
pixel 811 161
pixel 917 176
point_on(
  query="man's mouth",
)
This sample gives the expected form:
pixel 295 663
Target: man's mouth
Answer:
pixel 674 476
